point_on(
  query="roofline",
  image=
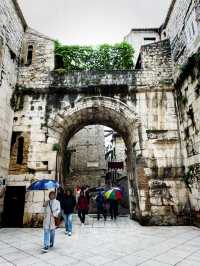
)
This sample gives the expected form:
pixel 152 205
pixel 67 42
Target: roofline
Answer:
pixel 20 14
pixel 171 7
pixel 39 34
pixel 145 29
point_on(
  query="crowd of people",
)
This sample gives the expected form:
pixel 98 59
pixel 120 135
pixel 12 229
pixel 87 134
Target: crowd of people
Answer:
pixel 63 205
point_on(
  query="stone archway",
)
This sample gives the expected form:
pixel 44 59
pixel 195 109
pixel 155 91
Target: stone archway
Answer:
pixel 109 112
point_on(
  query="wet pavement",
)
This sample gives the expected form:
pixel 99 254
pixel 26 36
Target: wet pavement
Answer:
pixel 119 243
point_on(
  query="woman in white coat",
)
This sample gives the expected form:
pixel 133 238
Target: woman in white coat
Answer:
pixel 51 211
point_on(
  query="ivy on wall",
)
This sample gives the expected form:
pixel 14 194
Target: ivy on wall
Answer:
pixel 104 57
pixel 191 176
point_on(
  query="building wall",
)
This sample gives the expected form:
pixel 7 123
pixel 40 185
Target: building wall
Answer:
pixel 188 106
pixel 50 98
pixel 183 29
pixel 120 149
pixel 138 37
pixel 89 155
pixel 11 35
pixel 166 140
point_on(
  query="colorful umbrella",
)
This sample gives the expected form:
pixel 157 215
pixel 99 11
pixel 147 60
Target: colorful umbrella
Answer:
pixel 43 184
pixel 114 194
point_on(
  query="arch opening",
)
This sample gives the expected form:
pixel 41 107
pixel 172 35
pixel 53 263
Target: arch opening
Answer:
pixel 96 157
pixel 110 113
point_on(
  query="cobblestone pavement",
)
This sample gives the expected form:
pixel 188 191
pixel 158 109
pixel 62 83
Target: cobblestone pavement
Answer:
pixel 119 243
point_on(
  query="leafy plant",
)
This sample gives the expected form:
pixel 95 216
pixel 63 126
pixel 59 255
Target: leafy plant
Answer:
pixel 104 57
pixel 56 147
pixel 191 176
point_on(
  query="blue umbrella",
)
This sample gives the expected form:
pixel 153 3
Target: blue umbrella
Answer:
pixel 44 184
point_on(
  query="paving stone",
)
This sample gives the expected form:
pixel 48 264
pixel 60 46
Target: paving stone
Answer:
pixel 115 244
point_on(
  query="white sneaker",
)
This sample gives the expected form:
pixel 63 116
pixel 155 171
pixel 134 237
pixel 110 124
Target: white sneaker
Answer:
pixel 44 249
pixel 83 224
pixel 66 232
pixel 69 233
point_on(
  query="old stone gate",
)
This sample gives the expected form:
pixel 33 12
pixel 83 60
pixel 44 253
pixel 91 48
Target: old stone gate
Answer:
pixel 154 107
pixel 50 107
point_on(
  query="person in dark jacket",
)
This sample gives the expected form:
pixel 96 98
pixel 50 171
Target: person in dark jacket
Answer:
pixel 100 203
pixel 68 205
pixel 82 206
pixel 60 197
pixel 113 209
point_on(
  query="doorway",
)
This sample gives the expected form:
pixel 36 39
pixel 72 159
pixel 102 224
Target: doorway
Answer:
pixel 14 201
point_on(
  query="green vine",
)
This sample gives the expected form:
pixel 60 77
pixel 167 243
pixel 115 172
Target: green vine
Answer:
pixel 56 147
pixel 104 57
pixel 191 176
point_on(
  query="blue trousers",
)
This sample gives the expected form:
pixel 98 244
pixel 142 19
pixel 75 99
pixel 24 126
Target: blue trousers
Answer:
pixel 68 222
pixel 49 236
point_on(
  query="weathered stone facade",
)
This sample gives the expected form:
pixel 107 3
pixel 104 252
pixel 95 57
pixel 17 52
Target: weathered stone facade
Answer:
pixel 142 105
pixel 12 28
pixel 87 159
pixel 182 27
pixel 88 151
pixel 10 44
pixel 138 104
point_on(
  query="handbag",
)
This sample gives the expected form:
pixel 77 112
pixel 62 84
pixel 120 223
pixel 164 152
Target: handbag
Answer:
pixel 56 219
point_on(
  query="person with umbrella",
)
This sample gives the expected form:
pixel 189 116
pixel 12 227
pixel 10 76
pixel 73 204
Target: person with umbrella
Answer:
pixel 113 209
pixel 100 203
pixel 51 211
pixel 114 195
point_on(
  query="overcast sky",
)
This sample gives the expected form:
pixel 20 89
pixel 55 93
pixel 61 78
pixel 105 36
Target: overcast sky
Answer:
pixel 92 21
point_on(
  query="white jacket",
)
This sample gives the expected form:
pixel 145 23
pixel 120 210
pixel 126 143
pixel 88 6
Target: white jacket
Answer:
pixel 49 221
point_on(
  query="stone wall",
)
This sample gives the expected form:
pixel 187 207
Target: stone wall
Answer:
pixel 88 152
pixel 188 106
pixel 35 73
pixel 182 28
pixel 158 124
pixel 11 34
pixel 56 106
pixel 19 153
pixel 139 37
pixel 12 27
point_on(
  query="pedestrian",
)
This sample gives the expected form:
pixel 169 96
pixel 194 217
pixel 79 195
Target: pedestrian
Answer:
pixel 101 208
pixel 60 195
pixel 69 203
pixel 51 212
pixel 60 198
pixel 77 192
pixel 82 206
pixel 113 209
pixel 87 193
